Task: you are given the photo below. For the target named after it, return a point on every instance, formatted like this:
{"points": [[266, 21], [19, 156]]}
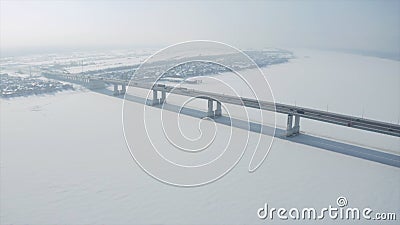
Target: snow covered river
{"points": [[64, 159]]}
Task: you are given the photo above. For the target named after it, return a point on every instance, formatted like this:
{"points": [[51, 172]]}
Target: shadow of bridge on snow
{"points": [[305, 139]]}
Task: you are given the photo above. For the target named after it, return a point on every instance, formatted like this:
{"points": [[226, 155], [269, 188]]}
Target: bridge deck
{"points": [[313, 114]]}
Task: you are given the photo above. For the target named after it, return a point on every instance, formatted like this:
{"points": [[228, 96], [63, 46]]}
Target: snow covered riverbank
{"points": [[64, 157]]}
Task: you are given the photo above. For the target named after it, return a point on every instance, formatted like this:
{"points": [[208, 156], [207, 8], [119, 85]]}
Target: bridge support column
{"points": [[163, 97], [116, 92], [210, 112], [218, 111], [296, 127], [123, 90], [155, 100], [290, 129]]}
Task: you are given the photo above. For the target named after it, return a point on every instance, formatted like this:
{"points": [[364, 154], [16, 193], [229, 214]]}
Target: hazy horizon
{"points": [[45, 26]]}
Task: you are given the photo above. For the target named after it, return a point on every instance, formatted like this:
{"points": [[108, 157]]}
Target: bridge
{"points": [[294, 113]]}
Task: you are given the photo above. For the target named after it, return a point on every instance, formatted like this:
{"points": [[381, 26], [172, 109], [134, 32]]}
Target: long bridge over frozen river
{"points": [[294, 112]]}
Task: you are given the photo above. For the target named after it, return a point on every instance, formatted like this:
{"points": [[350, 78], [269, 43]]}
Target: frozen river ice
{"points": [[64, 157]]}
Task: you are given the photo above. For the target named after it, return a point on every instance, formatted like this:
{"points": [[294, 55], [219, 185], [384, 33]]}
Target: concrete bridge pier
{"points": [[163, 97], [293, 130], [296, 127], [218, 111], [156, 100], [211, 112], [123, 90], [116, 92]]}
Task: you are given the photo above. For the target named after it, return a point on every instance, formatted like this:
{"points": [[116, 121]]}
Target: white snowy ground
{"points": [[64, 157]]}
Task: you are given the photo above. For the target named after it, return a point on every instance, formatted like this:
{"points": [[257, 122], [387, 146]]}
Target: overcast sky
{"points": [[359, 25]]}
